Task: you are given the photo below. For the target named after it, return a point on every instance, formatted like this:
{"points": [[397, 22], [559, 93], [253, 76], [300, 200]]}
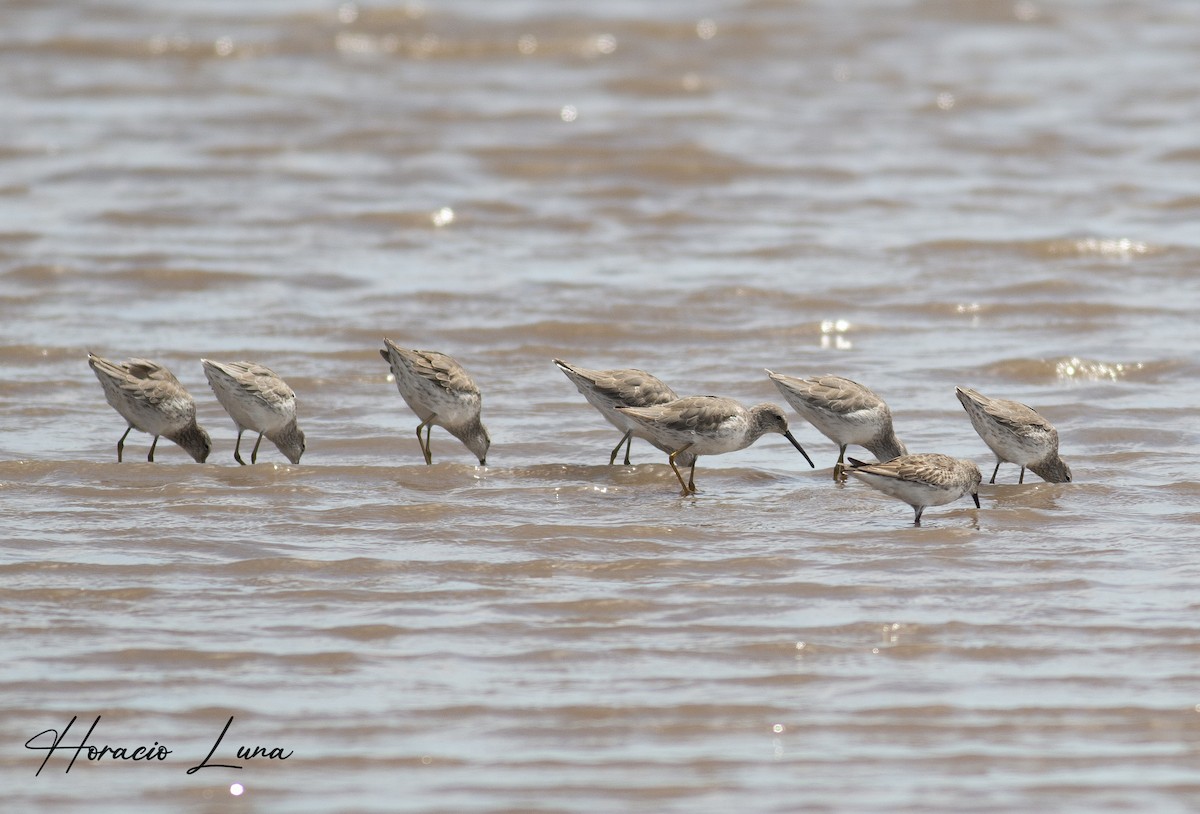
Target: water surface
{"points": [[916, 195]]}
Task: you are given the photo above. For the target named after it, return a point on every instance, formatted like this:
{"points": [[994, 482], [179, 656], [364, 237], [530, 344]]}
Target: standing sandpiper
{"points": [[1017, 434], [606, 390], [925, 479], [440, 392], [152, 400], [708, 425], [258, 400], [845, 412]]}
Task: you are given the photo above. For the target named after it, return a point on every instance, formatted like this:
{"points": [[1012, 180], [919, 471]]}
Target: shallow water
{"points": [[915, 195]]}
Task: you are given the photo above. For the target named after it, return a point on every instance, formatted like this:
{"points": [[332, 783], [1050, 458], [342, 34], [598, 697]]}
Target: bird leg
{"points": [[153, 444], [254, 452], [1022, 478], [237, 448], [628, 436], [671, 460], [428, 426], [121, 443], [994, 471], [839, 468]]}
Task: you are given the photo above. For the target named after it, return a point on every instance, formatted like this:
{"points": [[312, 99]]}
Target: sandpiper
{"points": [[152, 400], [440, 392], [845, 412], [1017, 434], [606, 390], [925, 479], [258, 400], [708, 425]]}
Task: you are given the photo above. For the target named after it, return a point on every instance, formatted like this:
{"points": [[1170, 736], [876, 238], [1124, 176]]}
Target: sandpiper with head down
{"points": [[925, 479], [257, 400], [151, 399], [845, 412], [440, 392], [1017, 434], [606, 390], [708, 425]]}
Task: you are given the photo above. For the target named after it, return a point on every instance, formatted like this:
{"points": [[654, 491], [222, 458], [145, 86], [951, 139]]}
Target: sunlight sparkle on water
{"points": [[833, 334], [605, 44], [973, 309], [1118, 247], [1121, 248], [236, 789], [1076, 368]]}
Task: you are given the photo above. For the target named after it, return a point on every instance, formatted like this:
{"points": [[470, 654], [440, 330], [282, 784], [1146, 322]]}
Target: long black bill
{"points": [[788, 435], [976, 496]]}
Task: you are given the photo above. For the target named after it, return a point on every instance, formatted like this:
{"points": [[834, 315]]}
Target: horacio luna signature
{"points": [[51, 740]]}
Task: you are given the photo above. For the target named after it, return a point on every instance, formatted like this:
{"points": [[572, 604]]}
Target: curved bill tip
{"points": [[796, 444]]}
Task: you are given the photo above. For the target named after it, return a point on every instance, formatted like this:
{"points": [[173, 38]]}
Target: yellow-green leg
{"points": [[627, 440], [689, 487], [427, 425], [839, 468]]}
